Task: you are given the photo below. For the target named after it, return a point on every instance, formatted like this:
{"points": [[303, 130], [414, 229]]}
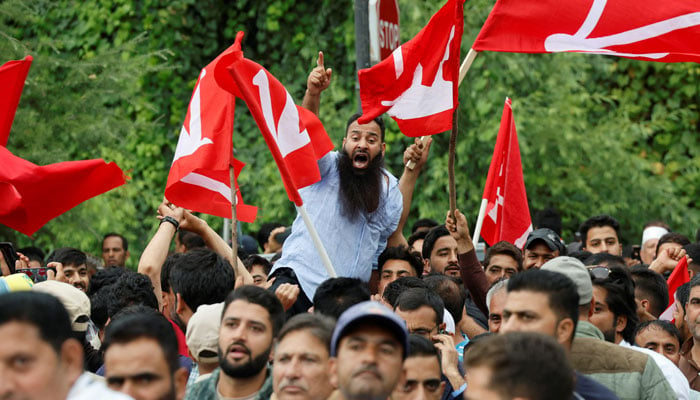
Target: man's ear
{"points": [[127, 255], [565, 330], [333, 371], [620, 323], [72, 359], [426, 266], [646, 305], [180, 382], [591, 308], [383, 148]]}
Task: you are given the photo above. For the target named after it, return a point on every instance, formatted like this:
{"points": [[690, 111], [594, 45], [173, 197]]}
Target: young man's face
{"points": [[369, 363], [259, 275], [422, 321], [362, 143], [538, 254], [30, 369], [393, 270], [443, 257], [139, 369], [245, 339], [500, 266], [529, 311], [422, 380], [113, 252], [77, 275], [301, 367], [603, 239], [603, 318]]}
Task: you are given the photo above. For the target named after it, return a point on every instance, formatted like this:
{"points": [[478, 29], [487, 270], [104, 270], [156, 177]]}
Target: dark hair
{"points": [[264, 232], [257, 260], [431, 237], [581, 255], [145, 323], [414, 298], [201, 277], [99, 305], [620, 298], [33, 253], [451, 293], [401, 253], [190, 240], [125, 243], [318, 325], [507, 249], [130, 289], [418, 346], [68, 256], [606, 259], [423, 223], [598, 221], [683, 293], [335, 295], [693, 251], [103, 278], [560, 290], [264, 298], [672, 237], [659, 324], [379, 121], [394, 289], [41, 310], [651, 286], [416, 236], [165, 271], [524, 364]]}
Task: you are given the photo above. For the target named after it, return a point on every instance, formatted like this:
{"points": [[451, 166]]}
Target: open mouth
{"points": [[360, 159]]}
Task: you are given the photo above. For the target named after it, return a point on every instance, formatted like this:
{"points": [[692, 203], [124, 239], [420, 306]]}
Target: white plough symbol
{"points": [[580, 41]]}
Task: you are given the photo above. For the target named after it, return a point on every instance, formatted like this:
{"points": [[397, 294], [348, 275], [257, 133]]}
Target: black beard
{"points": [[360, 189], [247, 370]]}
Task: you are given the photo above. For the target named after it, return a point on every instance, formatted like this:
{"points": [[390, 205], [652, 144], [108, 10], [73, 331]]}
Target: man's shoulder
{"points": [[204, 389], [592, 355]]}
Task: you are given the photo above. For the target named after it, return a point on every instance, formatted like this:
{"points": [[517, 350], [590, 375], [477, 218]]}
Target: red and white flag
{"points": [[199, 176], [667, 31], [678, 277], [32, 195], [12, 77], [294, 135], [417, 85], [507, 213]]}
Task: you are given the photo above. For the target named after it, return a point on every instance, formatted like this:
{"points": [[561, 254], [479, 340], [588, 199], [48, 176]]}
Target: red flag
{"points": [[294, 135], [199, 176], [33, 195], [667, 31], [678, 277], [12, 77], [417, 85], [507, 213]]}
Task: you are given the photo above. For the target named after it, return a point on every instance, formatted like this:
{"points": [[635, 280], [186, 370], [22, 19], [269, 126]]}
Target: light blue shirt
{"points": [[352, 245]]}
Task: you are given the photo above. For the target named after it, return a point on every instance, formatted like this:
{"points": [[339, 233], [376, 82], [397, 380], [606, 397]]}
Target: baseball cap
{"points": [[370, 311], [550, 238], [203, 332], [574, 269], [73, 299]]}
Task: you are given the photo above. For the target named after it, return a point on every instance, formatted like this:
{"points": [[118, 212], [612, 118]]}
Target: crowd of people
{"points": [[423, 317]]}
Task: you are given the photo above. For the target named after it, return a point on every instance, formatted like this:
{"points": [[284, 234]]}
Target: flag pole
{"points": [[317, 241], [234, 220], [463, 69], [451, 161], [479, 220]]}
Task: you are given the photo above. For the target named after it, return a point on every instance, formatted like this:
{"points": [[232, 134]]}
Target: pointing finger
{"points": [[319, 61]]}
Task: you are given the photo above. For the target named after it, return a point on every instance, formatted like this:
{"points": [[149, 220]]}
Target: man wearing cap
{"points": [[628, 373], [203, 338], [368, 347], [541, 246], [650, 237]]}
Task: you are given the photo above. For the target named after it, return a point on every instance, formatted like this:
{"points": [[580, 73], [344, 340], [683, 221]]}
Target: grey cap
{"points": [[574, 269]]}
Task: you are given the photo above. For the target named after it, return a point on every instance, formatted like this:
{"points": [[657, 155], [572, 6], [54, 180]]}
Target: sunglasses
{"points": [[599, 272]]}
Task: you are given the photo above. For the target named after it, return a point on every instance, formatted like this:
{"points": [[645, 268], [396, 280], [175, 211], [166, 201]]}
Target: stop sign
{"points": [[383, 28]]}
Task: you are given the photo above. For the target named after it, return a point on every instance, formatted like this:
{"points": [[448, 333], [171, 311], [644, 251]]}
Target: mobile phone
{"points": [[36, 274], [10, 255]]}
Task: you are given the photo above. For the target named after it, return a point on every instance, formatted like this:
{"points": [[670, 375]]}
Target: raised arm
{"points": [[418, 153], [155, 253], [318, 81]]}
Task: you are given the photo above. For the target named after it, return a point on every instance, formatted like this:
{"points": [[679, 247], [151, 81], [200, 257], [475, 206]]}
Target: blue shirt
{"points": [[352, 245]]}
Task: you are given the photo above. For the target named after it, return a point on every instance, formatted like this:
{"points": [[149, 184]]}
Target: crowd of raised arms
{"points": [[424, 317]]}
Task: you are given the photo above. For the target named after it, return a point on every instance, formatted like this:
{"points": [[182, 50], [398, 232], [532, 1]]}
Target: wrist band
{"points": [[171, 220], [459, 391]]}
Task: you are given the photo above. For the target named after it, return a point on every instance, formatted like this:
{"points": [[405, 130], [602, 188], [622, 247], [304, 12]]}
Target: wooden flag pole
{"points": [[234, 220], [451, 162], [463, 69]]}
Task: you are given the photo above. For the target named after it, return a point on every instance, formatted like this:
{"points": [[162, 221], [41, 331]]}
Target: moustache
{"points": [[293, 382], [242, 346], [371, 369]]}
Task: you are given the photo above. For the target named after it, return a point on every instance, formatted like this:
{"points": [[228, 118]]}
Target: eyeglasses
{"points": [[599, 272]]}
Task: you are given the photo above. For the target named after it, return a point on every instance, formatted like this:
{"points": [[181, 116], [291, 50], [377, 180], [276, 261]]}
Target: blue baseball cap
{"points": [[374, 312]]}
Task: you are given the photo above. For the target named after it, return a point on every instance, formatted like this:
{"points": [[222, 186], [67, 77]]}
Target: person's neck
{"points": [[240, 387]]}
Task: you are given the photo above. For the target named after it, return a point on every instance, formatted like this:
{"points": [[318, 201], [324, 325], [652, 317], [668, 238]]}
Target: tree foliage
{"points": [[112, 79]]}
